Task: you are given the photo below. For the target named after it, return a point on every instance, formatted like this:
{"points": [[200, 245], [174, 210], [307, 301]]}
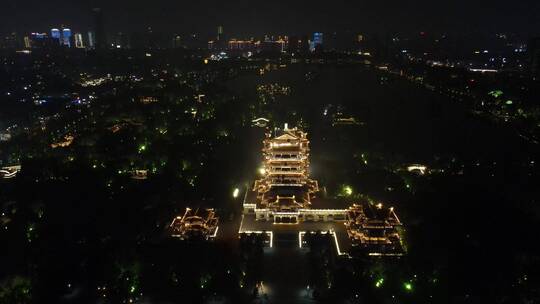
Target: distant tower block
{"points": [[56, 34], [219, 33], [79, 43], [99, 29], [66, 37]]}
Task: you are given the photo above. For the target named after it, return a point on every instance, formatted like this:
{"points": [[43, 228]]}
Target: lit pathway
{"points": [[285, 272]]}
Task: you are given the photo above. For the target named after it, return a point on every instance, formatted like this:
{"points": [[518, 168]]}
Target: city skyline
{"points": [[269, 152], [245, 19]]}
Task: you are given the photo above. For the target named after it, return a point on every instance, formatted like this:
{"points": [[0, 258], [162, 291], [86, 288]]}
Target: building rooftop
{"points": [[195, 224], [374, 230]]}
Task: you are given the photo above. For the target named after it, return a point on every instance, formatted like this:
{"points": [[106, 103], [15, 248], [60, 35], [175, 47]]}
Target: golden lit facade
{"points": [[195, 224], [285, 185], [374, 230], [285, 200], [241, 45], [284, 193]]}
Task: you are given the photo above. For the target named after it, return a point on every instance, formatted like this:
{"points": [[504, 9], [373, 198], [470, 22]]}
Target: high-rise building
{"points": [[360, 42], [27, 42], [339, 41], [91, 40], [177, 42], [298, 44], [533, 49], [99, 29], [317, 41], [304, 44], [39, 35], [219, 33], [294, 44], [220, 41], [79, 43], [56, 34], [11, 41], [43, 41], [66, 37], [120, 41]]}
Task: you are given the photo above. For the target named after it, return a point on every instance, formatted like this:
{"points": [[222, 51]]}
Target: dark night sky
{"points": [[242, 17]]}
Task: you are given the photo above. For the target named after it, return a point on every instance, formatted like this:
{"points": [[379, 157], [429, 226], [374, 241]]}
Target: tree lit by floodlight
{"points": [[347, 190]]}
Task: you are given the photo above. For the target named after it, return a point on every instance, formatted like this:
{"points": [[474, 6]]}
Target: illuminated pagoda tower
{"points": [[198, 224], [285, 201], [285, 187]]}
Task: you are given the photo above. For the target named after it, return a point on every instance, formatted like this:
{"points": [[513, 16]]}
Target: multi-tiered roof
{"points": [[374, 229], [195, 224], [285, 185]]}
